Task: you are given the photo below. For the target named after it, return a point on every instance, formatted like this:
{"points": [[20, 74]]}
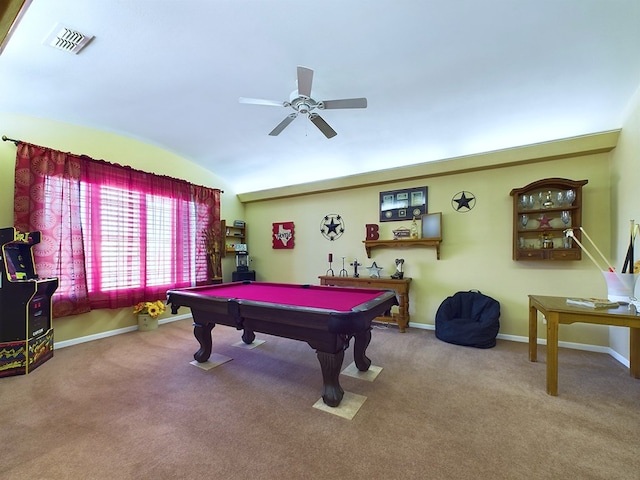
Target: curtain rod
{"points": [[16, 142], [7, 139]]}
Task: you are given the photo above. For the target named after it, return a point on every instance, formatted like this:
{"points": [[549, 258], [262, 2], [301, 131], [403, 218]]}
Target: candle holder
{"points": [[343, 272], [330, 271]]}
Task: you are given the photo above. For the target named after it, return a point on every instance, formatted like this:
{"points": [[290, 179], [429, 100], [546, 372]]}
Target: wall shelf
{"points": [[412, 242], [232, 236]]}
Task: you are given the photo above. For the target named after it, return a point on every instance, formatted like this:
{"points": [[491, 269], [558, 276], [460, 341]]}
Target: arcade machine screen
{"points": [[19, 262]]}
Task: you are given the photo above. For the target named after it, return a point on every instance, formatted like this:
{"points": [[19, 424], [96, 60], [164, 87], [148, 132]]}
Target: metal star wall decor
{"points": [[332, 226], [463, 201]]}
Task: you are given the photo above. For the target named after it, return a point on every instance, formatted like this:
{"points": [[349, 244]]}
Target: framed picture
{"points": [[283, 235], [403, 204], [432, 226]]}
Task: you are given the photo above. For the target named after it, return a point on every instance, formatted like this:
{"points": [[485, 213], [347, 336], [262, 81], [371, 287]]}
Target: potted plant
{"points": [[148, 313]]}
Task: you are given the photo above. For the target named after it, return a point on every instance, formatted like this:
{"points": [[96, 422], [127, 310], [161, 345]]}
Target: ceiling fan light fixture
{"points": [[301, 102], [67, 39]]}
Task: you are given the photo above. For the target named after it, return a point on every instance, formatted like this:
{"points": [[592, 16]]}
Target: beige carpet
{"points": [[133, 407]]}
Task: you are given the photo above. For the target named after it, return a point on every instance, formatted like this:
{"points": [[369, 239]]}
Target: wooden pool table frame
{"points": [[325, 330]]}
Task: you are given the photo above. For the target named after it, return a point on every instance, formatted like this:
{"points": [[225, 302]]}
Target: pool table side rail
{"points": [[356, 320], [195, 296]]}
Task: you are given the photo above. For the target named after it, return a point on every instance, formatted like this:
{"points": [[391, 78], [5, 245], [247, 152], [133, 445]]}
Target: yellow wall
{"points": [[476, 248], [112, 148], [625, 194]]}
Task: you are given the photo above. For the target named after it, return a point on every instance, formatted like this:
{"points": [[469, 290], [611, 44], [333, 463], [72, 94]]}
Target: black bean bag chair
{"points": [[470, 319]]}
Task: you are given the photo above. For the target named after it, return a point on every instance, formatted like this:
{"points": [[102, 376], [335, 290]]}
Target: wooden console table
{"points": [[556, 311], [401, 288]]}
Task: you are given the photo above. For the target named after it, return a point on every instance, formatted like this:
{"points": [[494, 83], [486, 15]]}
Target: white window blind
{"points": [[130, 238]]}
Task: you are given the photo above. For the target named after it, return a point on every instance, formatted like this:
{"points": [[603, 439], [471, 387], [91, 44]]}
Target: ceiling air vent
{"points": [[67, 39]]}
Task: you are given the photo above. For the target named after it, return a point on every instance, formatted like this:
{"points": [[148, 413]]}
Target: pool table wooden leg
{"points": [[331, 363], [248, 336], [360, 344], [203, 335]]}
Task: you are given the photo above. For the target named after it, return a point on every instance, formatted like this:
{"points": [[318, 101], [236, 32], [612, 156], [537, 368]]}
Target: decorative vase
{"points": [[146, 322]]}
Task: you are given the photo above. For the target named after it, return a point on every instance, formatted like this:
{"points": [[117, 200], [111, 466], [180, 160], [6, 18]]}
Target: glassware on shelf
{"points": [[524, 219], [524, 202], [527, 202], [570, 195], [565, 216], [560, 198]]}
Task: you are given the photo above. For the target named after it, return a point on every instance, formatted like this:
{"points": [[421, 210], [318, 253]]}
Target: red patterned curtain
{"points": [[114, 236], [47, 199]]}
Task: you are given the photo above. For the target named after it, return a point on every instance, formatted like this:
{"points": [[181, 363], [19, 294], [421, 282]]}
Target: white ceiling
{"points": [[443, 78]]}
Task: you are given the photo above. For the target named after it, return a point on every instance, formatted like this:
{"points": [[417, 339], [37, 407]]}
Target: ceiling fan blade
{"points": [[283, 124], [305, 79], [259, 101], [344, 103], [322, 125]]}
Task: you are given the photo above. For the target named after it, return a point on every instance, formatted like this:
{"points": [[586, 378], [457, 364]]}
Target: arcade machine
{"points": [[26, 333], [242, 265]]}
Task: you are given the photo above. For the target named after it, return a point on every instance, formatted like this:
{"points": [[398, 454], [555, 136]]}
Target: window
{"points": [[130, 239], [112, 235]]}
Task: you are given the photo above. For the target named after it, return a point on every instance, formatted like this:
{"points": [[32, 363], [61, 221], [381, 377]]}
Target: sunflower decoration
{"points": [[153, 309]]}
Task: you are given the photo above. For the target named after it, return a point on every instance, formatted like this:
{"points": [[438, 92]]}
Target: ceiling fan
{"points": [[301, 102]]}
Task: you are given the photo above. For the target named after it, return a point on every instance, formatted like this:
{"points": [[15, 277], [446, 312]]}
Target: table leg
{"points": [[331, 363], [248, 336], [634, 352], [403, 312], [360, 344], [203, 335], [552, 354], [533, 333]]}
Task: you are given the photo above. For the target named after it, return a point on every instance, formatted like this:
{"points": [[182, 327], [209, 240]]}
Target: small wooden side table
{"points": [[401, 288], [556, 311]]}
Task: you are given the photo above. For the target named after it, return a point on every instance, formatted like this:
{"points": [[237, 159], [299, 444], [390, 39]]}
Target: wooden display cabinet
{"points": [[542, 211]]}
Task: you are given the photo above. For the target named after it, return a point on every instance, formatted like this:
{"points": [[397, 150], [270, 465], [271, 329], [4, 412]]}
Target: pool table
{"points": [[324, 317]]}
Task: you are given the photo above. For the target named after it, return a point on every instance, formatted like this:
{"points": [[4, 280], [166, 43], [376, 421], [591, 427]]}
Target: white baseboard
{"points": [[111, 333], [542, 341], [423, 326]]}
